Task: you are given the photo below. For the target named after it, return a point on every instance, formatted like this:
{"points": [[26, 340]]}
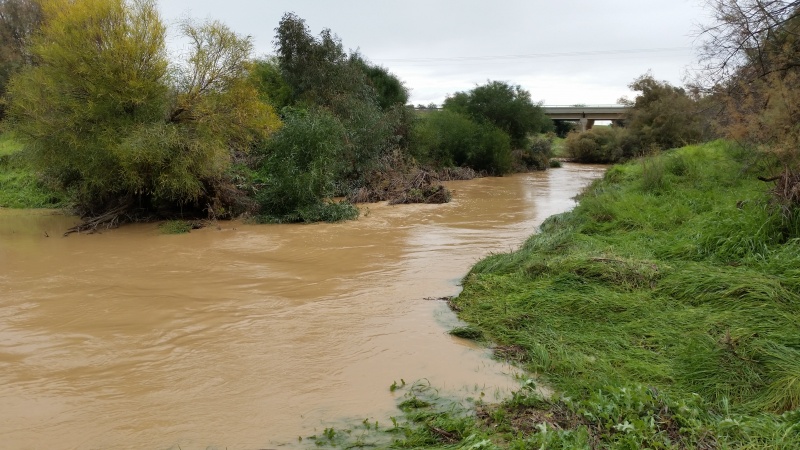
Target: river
{"points": [[247, 336]]}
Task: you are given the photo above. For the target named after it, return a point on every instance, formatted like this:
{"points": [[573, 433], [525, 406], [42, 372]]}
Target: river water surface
{"points": [[247, 336]]}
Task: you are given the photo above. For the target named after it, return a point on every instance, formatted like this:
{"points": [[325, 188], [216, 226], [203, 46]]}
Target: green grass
{"points": [[664, 311], [8, 145], [559, 151], [20, 187], [321, 211], [175, 227]]}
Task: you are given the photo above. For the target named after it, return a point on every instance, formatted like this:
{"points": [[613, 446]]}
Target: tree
{"points": [[750, 38], [101, 115], [321, 74], [446, 138], [318, 69], [390, 90], [752, 64], [272, 88], [508, 107], [661, 115], [19, 19]]}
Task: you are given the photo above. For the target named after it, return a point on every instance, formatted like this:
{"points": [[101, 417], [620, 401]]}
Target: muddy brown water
{"points": [[247, 336]]}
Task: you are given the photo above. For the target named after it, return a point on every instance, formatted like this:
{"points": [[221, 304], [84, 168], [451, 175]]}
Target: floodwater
{"points": [[247, 336]]}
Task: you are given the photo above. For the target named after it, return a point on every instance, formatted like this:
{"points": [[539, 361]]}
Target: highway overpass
{"points": [[585, 115]]}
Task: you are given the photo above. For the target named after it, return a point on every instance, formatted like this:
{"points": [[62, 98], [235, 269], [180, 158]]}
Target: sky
{"points": [[563, 52]]}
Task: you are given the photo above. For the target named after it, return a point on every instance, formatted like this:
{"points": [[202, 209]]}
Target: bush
{"points": [[663, 116], [104, 116], [446, 139], [324, 211], [535, 157], [602, 145], [175, 227], [299, 167], [367, 99]]}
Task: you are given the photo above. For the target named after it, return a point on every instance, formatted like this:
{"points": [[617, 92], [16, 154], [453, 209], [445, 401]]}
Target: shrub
{"points": [[445, 139], [175, 227], [299, 167], [535, 157], [368, 100], [662, 115], [323, 211], [601, 145]]}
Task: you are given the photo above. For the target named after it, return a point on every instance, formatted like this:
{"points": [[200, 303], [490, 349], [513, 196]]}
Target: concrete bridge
{"points": [[585, 115]]}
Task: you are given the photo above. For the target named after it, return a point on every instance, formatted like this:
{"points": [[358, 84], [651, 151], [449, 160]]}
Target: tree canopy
{"points": [[366, 99], [506, 106], [102, 116], [661, 115]]}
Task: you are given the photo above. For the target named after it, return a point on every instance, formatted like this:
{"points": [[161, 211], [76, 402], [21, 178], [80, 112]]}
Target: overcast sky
{"points": [[563, 52]]}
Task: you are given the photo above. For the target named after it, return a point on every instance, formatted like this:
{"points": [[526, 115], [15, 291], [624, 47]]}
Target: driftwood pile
{"points": [[399, 182]]}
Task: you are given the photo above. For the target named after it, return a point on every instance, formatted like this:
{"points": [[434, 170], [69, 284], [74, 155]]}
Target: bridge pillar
{"points": [[586, 124]]}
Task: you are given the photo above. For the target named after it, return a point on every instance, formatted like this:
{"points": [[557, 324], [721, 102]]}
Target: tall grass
{"points": [[20, 187], [674, 272], [663, 311]]}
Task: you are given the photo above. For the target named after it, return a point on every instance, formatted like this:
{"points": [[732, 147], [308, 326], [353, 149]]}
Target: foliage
{"points": [[320, 73], [389, 89], [749, 37], [316, 70], [563, 127], [665, 318], [681, 285], [300, 167], [445, 138], [19, 185], [175, 227], [598, 145], [268, 80], [101, 117], [19, 19], [324, 211], [508, 107], [661, 116], [751, 64], [70, 109], [536, 156]]}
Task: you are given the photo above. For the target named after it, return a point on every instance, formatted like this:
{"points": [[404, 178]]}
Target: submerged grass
{"points": [[175, 227], [664, 309]]}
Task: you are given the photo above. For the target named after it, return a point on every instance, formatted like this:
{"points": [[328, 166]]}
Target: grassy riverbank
{"points": [[670, 296], [19, 185], [663, 311]]}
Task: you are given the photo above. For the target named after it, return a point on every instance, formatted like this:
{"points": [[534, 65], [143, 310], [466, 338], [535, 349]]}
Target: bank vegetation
{"points": [[662, 311], [103, 119]]}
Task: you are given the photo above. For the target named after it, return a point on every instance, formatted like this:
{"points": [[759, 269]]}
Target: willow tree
{"points": [[19, 20], [103, 116]]}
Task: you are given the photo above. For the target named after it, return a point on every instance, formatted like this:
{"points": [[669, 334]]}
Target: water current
{"points": [[247, 336]]}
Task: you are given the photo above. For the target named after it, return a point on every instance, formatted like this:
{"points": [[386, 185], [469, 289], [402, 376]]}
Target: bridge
{"points": [[585, 115]]}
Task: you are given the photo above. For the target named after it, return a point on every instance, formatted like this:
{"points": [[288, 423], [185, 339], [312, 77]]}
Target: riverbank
{"points": [[662, 310]]}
